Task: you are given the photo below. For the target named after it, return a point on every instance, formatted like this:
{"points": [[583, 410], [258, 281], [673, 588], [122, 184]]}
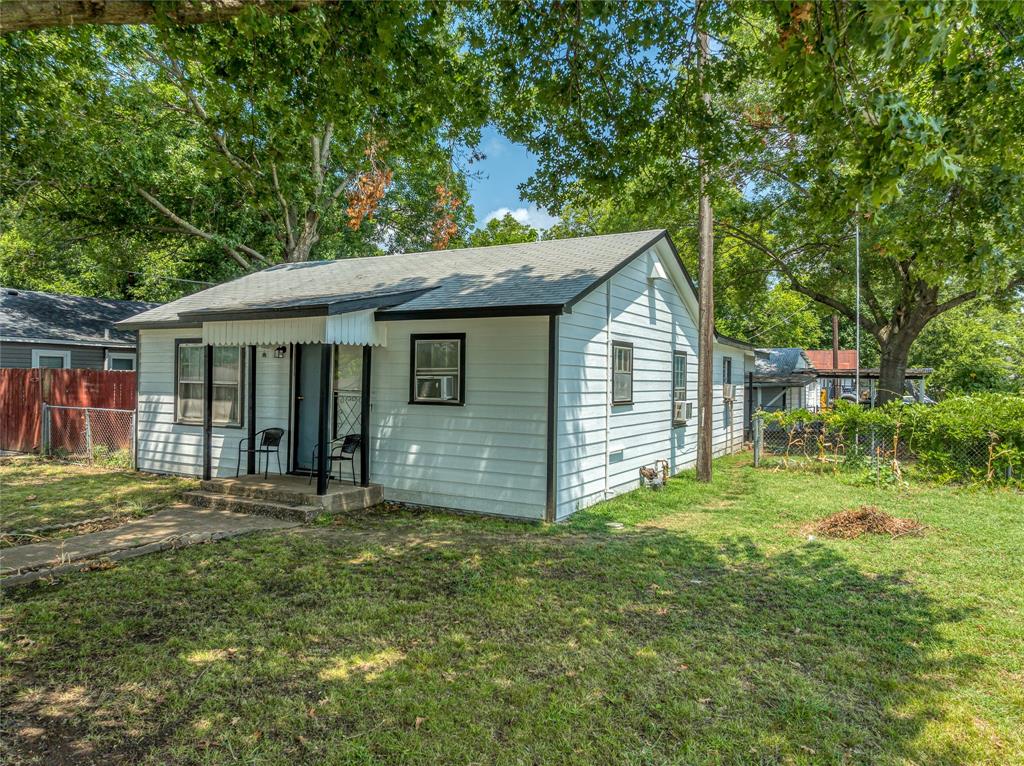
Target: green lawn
{"points": [[708, 630], [36, 493]]}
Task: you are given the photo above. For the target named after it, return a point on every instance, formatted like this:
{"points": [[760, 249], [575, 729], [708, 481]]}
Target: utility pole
{"points": [[706, 319], [857, 323]]}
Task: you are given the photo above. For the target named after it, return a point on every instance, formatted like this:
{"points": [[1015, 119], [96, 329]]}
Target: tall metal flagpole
{"points": [[857, 328]]}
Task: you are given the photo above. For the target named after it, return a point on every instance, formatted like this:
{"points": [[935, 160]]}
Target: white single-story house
{"points": [[528, 380]]}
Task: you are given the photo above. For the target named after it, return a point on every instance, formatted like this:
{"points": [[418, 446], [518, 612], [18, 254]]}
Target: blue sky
{"points": [[495, 192]]}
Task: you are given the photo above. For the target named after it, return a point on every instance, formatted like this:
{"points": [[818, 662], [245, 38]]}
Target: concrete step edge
{"points": [[256, 506]]}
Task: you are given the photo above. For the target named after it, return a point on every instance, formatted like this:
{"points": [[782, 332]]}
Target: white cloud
{"points": [[531, 216]]}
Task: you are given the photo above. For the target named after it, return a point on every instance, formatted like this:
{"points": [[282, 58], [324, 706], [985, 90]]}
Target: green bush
{"points": [[963, 438], [104, 456]]}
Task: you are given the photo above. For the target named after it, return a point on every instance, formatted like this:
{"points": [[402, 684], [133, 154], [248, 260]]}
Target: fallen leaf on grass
{"points": [[419, 721]]}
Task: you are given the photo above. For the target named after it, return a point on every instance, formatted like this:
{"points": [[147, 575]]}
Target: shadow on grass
{"points": [[447, 646]]}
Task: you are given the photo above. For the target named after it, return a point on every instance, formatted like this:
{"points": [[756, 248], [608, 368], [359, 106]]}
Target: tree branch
{"points": [[188, 228], [40, 14], [288, 227], [794, 282], [178, 76]]}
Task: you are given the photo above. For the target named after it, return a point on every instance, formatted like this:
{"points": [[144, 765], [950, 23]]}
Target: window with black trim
{"points": [[189, 377], [678, 387], [622, 372], [437, 369]]}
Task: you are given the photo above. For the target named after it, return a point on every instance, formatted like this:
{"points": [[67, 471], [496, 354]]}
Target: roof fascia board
{"points": [[385, 301], [167, 324], [567, 307], [103, 342], [474, 312], [285, 312], [695, 296], [725, 340]]}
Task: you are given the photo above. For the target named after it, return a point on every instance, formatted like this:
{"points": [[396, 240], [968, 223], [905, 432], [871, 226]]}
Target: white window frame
{"points": [[679, 392], [39, 352], [622, 364], [111, 355], [218, 422]]}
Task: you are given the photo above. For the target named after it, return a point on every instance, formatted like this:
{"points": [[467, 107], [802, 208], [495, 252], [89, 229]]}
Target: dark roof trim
{"points": [[385, 301], [801, 378], [283, 312], [306, 307], [129, 325], [112, 343], [472, 312], [726, 340], [567, 307]]}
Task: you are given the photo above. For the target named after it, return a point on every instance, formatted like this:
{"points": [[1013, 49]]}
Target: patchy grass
{"points": [[706, 630], [36, 492]]}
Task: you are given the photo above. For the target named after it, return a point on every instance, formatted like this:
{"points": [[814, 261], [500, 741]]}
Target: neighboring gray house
{"points": [[526, 380], [784, 379], [65, 331]]}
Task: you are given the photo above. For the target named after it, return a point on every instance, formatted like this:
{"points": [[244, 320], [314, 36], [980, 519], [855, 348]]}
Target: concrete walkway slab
{"points": [[179, 523]]}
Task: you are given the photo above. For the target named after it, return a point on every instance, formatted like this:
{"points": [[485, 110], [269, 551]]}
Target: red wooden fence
{"points": [[23, 393]]}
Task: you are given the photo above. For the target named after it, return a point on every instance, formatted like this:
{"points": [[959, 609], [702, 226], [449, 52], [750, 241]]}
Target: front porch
{"points": [[291, 498]]}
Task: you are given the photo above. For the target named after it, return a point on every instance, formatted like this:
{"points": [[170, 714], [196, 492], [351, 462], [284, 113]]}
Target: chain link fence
{"points": [[886, 450], [89, 435]]}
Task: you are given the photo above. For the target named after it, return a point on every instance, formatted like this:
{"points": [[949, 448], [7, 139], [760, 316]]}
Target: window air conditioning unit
{"points": [[447, 387], [682, 412], [729, 392]]}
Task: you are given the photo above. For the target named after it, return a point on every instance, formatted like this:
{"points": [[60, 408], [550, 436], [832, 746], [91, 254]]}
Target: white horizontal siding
{"points": [[595, 461], [487, 456], [600, 446], [164, 446]]}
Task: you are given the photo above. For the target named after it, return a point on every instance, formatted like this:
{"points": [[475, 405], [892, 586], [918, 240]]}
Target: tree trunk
{"points": [[706, 312], [40, 14], [894, 352], [302, 249]]}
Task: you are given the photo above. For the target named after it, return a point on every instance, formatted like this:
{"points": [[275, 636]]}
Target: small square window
{"points": [[437, 369], [120, 361], [622, 372], [49, 359]]}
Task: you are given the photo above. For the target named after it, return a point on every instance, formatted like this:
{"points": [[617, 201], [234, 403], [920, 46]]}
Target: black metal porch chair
{"points": [[342, 449], [266, 442]]}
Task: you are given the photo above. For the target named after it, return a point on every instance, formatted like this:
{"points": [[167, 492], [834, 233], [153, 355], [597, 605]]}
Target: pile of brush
{"points": [[867, 519]]}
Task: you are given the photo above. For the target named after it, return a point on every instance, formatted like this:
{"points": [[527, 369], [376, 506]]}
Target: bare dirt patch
{"points": [[865, 520]]}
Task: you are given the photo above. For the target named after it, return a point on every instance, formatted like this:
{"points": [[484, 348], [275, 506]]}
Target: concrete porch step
{"points": [[296, 490], [254, 506]]}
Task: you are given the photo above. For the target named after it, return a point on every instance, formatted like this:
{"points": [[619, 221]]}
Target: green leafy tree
{"points": [[974, 349], [263, 139], [503, 231], [909, 113]]}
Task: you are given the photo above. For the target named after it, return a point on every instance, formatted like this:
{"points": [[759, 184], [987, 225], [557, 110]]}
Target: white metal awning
{"points": [[357, 328]]}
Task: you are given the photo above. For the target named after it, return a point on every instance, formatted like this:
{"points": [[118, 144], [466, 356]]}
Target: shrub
{"points": [[964, 438]]}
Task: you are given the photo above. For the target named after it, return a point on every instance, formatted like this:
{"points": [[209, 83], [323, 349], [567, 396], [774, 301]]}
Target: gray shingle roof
{"points": [[778, 361], [533, 274], [26, 314]]}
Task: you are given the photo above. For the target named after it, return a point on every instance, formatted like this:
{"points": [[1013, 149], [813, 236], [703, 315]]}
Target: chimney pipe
{"points": [[835, 341]]}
